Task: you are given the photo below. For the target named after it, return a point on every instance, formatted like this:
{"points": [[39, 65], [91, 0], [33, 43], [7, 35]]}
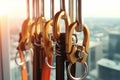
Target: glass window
{"points": [[103, 20]]}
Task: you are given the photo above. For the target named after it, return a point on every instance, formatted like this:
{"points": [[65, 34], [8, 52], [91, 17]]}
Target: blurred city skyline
{"points": [[104, 18], [90, 8], [101, 8]]}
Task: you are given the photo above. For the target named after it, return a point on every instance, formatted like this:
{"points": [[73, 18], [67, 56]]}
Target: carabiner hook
{"points": [[72, 50], [46, 61], [24, 36], [20, 63], [23, 41], [38, 29], [46, 40], [60, 15], [25, 30], [22, 52], [77, 53], [56, 27]]}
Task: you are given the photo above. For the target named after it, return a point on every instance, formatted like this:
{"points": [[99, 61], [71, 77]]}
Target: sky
{"points": [[90, 8], [97, 8], [101, 8]]}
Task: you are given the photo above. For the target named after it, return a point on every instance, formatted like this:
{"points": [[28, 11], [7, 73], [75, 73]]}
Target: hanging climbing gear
{"points": [[45, 39], [24, 36], [77, 52], [48, 48]]}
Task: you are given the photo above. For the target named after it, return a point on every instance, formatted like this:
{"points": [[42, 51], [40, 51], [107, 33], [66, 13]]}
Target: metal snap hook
{"points": [[21, 63], [46, 61], [18, 63], [54, 53], [82, 76], [46, 58]]}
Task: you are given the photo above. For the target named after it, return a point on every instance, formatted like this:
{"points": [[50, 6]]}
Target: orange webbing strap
{"points": [[24, 35], [48, 50], [47, 44], [46, 70], [23, 66]]}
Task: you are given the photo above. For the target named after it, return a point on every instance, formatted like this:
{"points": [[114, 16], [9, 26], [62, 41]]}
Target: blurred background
{"points": [[103, 20]]}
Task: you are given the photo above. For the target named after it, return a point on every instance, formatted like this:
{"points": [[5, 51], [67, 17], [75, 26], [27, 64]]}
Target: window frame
{"points": [[5, 49]]}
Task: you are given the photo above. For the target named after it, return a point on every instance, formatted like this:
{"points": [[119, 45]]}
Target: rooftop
{"points": [[109, 64], [93, 44], [114, 32]]}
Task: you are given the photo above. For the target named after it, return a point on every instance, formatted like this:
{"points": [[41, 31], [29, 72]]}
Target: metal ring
{"points": [[46, 61], [20, 63], [82, 76]]}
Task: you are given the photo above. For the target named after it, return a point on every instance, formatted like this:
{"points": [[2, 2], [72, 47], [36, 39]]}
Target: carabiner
{"points": [[20, 63], [60, 15], [22, 42], [72, 50], [24, 36], [25, 30], [38, 30], [46, 40], [46, 66], [77, 52], [57, 35], [56, 27]]}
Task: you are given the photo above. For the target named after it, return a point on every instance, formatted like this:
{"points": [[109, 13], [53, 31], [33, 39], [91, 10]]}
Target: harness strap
{"points": [[23, 66], [60, 69], [24, 35], [46, 70], [37, 63]]}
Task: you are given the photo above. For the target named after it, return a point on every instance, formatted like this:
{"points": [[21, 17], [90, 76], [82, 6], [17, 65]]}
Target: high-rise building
{"points": [[114, 44], [95, 54], [108, 69]]}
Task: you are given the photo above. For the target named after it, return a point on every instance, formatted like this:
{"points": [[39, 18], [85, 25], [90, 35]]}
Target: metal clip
{"points": [[48, 43], [71, 50], [60, 15], [75, 52]]}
